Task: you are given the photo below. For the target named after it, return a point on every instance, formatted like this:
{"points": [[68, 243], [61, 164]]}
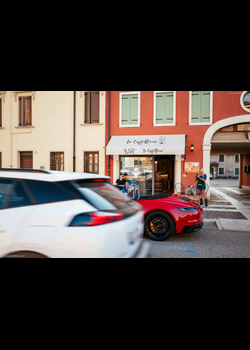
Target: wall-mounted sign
{"points": [[192, 167]]}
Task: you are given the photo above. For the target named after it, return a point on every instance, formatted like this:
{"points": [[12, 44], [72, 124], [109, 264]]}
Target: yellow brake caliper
{"points": [[152, 227]]}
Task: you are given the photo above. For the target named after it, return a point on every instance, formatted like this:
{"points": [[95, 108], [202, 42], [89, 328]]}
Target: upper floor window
{"points": [[130, 109], [91, 107], [25, 111], [164, 108], [221, 158], [200, 107], [245, 101]]}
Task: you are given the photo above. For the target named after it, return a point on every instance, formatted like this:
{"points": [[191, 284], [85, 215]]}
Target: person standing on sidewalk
{"points": [[201, 186]]}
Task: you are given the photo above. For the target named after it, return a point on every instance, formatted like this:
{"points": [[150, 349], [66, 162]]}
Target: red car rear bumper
{"points": [[189, 222], [185, 221]]}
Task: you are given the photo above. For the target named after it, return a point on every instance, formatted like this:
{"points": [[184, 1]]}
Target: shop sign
{"points": [[192, 167], [142, 145], [133, 151]]}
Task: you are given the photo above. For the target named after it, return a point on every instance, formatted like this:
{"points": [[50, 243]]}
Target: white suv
{"points": [[67, 215]]}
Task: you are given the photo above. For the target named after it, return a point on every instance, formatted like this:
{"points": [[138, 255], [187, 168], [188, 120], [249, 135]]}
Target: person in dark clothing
{"points": [[121, 183]]}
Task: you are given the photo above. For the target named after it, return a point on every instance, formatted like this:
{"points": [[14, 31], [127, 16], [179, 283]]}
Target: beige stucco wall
{"points": [[51, 131], [229, 164]]}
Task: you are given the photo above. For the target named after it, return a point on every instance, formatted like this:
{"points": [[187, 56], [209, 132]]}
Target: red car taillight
{"points": [[95, 219]]}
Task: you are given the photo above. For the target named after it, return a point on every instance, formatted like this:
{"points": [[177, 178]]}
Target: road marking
{"points": [[233, 190], [237, 204]]}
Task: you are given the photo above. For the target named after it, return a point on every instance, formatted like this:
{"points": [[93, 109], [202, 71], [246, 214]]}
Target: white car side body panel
{"points": [[44, 229]]}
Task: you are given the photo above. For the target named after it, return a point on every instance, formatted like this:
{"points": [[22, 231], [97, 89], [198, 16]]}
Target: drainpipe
{"points": [[241, 171], [74, 133]]}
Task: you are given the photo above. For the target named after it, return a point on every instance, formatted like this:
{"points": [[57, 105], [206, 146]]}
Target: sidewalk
{"points": [[229, 206]]}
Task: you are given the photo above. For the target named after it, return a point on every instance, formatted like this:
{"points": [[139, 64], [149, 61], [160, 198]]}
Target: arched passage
{"points": [[208, 138]]}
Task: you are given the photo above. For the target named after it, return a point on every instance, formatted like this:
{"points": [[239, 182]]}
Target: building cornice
{"points": [[15, 94]]}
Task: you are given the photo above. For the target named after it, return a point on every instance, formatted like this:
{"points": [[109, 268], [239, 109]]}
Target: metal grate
{"points": [[91, 162], [57, 161]]}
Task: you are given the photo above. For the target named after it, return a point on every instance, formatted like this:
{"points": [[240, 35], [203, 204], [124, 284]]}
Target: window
{"points": [[221, 158], [25, 111], [200, 107], [130, 109], [1, 113], [104, 196], [164, 108], [91, 107], [91, 162], [236, 171], [45, 192], [237, 158], [5, 188], [221, 171], [138, 169], [57, 161], [18, 198], [26, 160], [245, 101]]}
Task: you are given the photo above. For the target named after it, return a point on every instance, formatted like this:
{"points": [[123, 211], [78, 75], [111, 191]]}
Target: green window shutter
{"points": [[134, 109], [126, 110], [205, 106], [160, 109], [130, 110], [164, 108], [169, 105], [196, 107]]}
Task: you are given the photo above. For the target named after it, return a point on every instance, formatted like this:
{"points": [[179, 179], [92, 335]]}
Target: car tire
{"points": [[25, 255], [159, 226]]}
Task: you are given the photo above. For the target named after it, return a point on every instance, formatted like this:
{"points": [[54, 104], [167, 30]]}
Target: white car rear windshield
{"points": [[104, 196]]}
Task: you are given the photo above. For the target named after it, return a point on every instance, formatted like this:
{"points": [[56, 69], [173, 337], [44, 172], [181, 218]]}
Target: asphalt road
{"points": [[207, 243]]}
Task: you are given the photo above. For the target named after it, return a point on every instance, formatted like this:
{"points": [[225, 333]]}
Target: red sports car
{"points": [[166, 214]]}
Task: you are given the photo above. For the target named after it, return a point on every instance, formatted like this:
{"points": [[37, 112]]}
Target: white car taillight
{"points": [[96, 218]]}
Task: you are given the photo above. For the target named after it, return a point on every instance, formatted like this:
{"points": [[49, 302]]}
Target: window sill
{"points": [[91, 124], [129, 126], [164, 125], [24, 127], [195, 124]]}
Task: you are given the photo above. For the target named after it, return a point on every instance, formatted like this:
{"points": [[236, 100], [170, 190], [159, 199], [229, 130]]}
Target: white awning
{"points": [[147, 145]]}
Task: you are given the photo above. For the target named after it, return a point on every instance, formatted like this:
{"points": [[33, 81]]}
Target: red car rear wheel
{"points": [[159, 226]]}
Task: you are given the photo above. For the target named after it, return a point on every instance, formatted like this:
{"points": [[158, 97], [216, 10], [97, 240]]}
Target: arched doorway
{"points": [[241, 119]]}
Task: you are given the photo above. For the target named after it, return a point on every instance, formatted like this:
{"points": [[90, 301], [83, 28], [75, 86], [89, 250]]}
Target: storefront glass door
{"points": [[139, 169]]}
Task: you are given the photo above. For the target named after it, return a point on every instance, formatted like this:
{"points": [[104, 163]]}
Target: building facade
{"points": [[161, 138], [53, 130], [225, 165]]}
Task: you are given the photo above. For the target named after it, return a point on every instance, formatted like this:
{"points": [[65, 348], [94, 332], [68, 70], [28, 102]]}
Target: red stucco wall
{"points": [[226, 104]]}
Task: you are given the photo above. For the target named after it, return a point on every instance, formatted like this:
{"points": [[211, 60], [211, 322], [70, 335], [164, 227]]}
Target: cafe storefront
{"points": [[152, 161]]}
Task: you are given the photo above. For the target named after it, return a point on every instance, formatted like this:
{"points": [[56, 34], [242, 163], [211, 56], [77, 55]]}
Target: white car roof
{"points": [[49, 176]]}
